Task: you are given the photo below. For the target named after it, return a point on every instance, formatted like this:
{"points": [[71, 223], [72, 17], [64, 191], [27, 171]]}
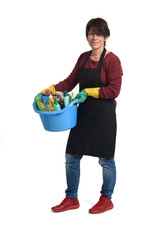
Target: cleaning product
{"points": [[66, 98], [51, 101], [56, 105], [62, 102], [71, 96], [38, 100], [58, 98], [47, 103], [48, 92], [59, 92]]}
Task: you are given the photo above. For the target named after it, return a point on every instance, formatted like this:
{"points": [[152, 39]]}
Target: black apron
{"points": [[95, 132]]}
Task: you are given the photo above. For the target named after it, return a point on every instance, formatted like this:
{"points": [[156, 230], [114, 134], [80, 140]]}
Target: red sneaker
{"points": [[104, 204], [66, 204]]}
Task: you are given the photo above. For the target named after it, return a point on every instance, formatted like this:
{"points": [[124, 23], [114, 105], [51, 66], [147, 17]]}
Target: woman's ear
{"points": [[105, 39]]}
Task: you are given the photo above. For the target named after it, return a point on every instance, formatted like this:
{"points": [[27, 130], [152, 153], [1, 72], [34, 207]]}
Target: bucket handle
{"points": [[71, 103]]}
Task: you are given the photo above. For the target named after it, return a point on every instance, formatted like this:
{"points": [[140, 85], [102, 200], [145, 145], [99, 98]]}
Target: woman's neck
{"points": [[96, 53]]}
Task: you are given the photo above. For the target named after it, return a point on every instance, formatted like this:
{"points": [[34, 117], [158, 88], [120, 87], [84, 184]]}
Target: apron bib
{"points": [[95, 132]]}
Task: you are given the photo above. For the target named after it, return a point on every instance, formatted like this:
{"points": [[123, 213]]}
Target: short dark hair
{"points": [[99, 26]]}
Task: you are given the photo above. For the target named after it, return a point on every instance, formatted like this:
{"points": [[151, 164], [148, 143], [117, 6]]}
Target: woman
{"points": [[99, 74]]}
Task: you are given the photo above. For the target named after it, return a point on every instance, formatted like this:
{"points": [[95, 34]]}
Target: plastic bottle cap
{"points": [[65, 93]]}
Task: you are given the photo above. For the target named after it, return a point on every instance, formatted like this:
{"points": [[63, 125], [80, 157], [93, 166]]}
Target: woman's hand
{"points": [[93, 92], [82, 96], [51, 89]]}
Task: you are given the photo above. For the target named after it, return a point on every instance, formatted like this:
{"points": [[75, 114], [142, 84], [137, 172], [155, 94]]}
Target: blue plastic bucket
{"points": [[57, 121]]}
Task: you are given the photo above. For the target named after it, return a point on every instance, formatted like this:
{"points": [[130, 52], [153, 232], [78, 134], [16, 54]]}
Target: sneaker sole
{"points": [[102, 211], [69, 208]]}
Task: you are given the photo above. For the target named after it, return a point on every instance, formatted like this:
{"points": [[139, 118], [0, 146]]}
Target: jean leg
{"points": [[109, 176], [72, 174]]}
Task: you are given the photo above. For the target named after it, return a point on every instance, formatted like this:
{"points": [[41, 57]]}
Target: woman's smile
{"points": [[95, 41]]}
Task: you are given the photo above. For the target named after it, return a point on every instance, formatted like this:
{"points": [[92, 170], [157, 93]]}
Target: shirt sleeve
{"points": [[71, 81], [114, 80]]}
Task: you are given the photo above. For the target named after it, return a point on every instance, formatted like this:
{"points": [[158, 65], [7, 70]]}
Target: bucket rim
{"points": [[54, 112]]}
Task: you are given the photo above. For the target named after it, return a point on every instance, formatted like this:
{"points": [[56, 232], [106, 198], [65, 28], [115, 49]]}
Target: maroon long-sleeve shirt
{"points": [[111, 75]]}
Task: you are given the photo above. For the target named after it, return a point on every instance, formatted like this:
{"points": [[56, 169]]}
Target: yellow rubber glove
{"points": [[93, 92], [51, 89]]}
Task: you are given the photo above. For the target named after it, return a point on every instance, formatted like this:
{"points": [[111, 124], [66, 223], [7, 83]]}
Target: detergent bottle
{"points": [[56, 105], [47, 103], [38, 100], [66, 98], [58, 98], [51, 101], [62, 102]]}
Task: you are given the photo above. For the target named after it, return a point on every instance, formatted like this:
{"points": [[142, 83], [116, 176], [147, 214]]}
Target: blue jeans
{"points": [[73, 175]]}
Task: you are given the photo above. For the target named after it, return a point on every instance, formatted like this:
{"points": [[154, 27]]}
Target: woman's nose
{"points": [[94, 36]]}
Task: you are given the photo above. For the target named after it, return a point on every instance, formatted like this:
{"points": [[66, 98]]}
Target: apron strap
{"points": [[101, 60], [86, 59]]}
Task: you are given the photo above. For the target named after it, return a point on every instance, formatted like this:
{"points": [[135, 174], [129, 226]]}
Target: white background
{"points": [[40, 43]]}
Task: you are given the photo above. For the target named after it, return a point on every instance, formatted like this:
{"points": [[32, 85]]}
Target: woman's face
{"points": [[95, 41]]}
